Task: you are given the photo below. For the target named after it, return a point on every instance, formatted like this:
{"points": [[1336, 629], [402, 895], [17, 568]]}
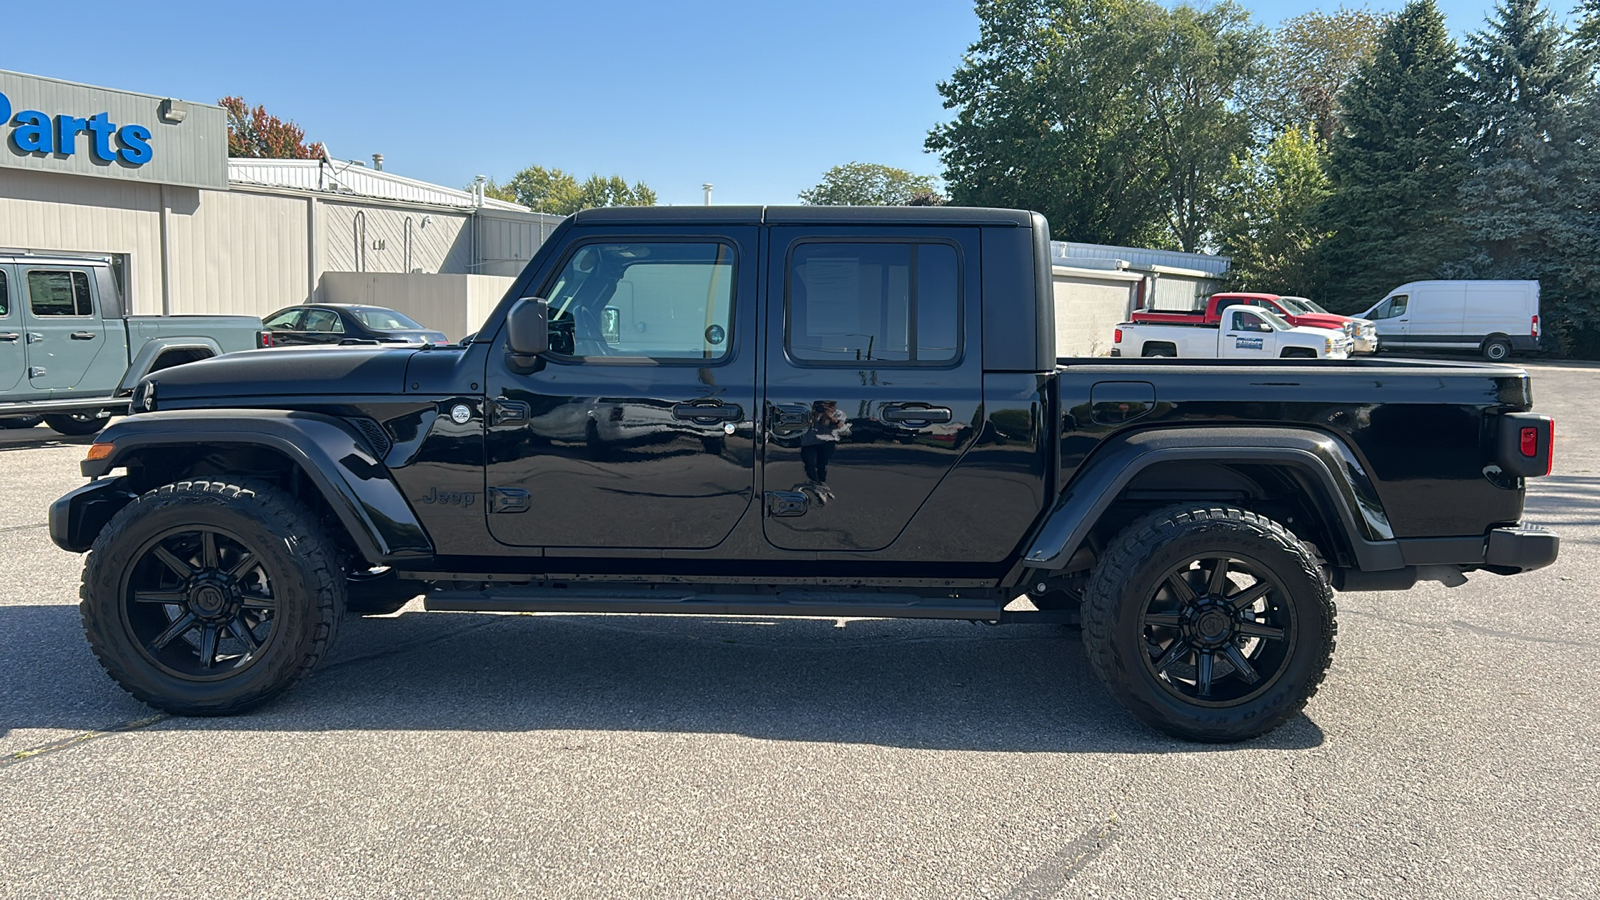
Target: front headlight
{"points": [[1328, 345]]}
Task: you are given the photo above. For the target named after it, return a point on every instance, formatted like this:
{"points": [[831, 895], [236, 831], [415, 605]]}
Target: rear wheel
{"points": [[195, 603], [1496, 349], [1208, 623], [1156, 348], [77, 423]]}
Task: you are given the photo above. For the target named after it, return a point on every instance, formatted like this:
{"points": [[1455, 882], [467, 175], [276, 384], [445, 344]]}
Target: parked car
{"points": [[1239, 332], [340, 323], [69, 351], [1195, 518], [1495, 318], [1297, 311]]}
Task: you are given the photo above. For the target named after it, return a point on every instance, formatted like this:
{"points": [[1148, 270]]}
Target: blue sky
{"points": [[759, 98]]}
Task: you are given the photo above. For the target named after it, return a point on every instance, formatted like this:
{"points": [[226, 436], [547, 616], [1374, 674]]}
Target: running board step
{"points": [[841, 604]]}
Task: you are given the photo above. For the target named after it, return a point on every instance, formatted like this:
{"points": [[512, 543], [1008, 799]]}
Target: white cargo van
{"points": [[1495, 318]]}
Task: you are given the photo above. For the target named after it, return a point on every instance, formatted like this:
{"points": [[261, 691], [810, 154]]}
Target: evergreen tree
{"points": [[1398, 165], [1526, 205]]}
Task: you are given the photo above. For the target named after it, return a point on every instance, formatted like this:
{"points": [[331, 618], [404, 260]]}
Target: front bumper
{"points": [[79, 517]]}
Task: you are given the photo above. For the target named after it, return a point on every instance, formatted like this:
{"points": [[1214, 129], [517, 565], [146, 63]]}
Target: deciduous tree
{"points": [[870, 184], [255, 133], [1311, 58], [555, 191], [1269, 225]]}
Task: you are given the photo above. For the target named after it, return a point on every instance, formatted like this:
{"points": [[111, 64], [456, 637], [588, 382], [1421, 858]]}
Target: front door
{"points": [[635, 430], [874, 379], [12, 353], [1248, 336], [62, 326]]}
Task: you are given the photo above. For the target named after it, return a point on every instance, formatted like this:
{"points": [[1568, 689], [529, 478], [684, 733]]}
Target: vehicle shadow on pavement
{"points": [[33, 438], [912, 684]]}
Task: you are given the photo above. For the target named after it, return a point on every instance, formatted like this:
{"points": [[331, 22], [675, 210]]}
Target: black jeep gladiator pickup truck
{"points": [[804, 412]]}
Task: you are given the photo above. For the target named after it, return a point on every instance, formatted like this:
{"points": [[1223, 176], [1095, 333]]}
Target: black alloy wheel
{"points": [[198, 603], [1217, 630], [1209, 623], [205, 598]]}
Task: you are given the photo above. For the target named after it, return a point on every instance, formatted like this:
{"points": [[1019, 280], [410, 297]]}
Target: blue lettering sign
{"points": [[35, 132], [1245, 343]]}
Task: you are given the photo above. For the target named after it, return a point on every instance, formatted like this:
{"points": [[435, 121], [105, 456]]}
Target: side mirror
{"points": [[528, 327]]}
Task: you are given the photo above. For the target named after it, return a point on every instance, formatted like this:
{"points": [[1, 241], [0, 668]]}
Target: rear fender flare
{"points": [[1318, 457], [152, 350], [331, 454]]}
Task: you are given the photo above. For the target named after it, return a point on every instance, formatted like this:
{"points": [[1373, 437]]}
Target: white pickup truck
{"points": [[1245, 332]]}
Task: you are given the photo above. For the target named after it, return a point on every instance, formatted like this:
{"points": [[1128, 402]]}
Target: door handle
{"points": [[83, 335], [907, 414], [9, 336], [708, 413]]}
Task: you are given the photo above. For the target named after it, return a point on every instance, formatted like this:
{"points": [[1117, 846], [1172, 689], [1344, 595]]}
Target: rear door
{"points": [[873, 378], [1246, 335], [62, 324], [12, 349]]}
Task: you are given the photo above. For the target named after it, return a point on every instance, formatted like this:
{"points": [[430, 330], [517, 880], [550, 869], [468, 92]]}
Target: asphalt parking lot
{"points": [[1451, 751]]}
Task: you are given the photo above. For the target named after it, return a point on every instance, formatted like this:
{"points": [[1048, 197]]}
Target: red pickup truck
{"points": [[1297, 311]]}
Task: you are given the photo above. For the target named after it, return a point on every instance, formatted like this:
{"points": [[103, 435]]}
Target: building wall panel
{"points": [[443, 244], [238, 253], [47, 212]]}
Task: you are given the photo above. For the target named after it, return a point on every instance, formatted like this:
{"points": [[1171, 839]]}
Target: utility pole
{"points": [[707, 188]]}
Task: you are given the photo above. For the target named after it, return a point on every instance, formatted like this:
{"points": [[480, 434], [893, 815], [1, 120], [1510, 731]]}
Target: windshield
{"points": [[1310, 305], [1272, 318], [383, 319]]}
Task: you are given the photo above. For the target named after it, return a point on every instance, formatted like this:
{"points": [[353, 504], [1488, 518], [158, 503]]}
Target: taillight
{"points": [[1117, 337], [1550, 450], [1534, 328], [263, 339], [1530, 442]]}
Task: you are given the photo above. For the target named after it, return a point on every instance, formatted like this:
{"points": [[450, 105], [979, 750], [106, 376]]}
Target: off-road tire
{"points": [[292, 549], [76, 424], [1134, 567]]}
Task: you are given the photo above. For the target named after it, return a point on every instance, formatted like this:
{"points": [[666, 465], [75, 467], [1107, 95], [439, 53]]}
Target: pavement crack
{"points": [[10, 528], [1050, 877], [79, 740]]}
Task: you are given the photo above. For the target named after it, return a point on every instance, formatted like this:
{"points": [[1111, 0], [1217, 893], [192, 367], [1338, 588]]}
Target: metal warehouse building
{"points": [[146, 181]]}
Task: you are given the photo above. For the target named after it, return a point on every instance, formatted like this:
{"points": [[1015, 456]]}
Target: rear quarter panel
{"points": [[231, 333], [1423, 432]]}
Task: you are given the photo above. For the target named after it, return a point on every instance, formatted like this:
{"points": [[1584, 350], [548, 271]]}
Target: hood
{"points": [[1320, 320], [1320, 333], [359, 369]]}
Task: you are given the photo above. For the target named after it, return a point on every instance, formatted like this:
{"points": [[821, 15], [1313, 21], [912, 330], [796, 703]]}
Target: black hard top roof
{"points": [[796, 215]]}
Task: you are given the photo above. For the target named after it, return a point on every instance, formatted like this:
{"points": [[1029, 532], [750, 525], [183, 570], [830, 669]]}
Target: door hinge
{"points": [[508, 500]]}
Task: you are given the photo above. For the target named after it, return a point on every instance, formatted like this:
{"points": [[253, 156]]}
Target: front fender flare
{"points": [[354, 483], [1318, 456]]}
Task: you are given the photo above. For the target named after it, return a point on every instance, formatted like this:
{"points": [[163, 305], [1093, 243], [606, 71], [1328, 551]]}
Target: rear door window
{"points": [[887, 303], [323, 320], [5, 295], [59, 293]]}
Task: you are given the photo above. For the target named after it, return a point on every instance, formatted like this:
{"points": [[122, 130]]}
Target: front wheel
{"points": [[1209, 623], [77, 424], [203, 598]]}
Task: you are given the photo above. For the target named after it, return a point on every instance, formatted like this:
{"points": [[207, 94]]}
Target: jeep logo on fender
{"points": [[450, 498], [35, 132]]}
